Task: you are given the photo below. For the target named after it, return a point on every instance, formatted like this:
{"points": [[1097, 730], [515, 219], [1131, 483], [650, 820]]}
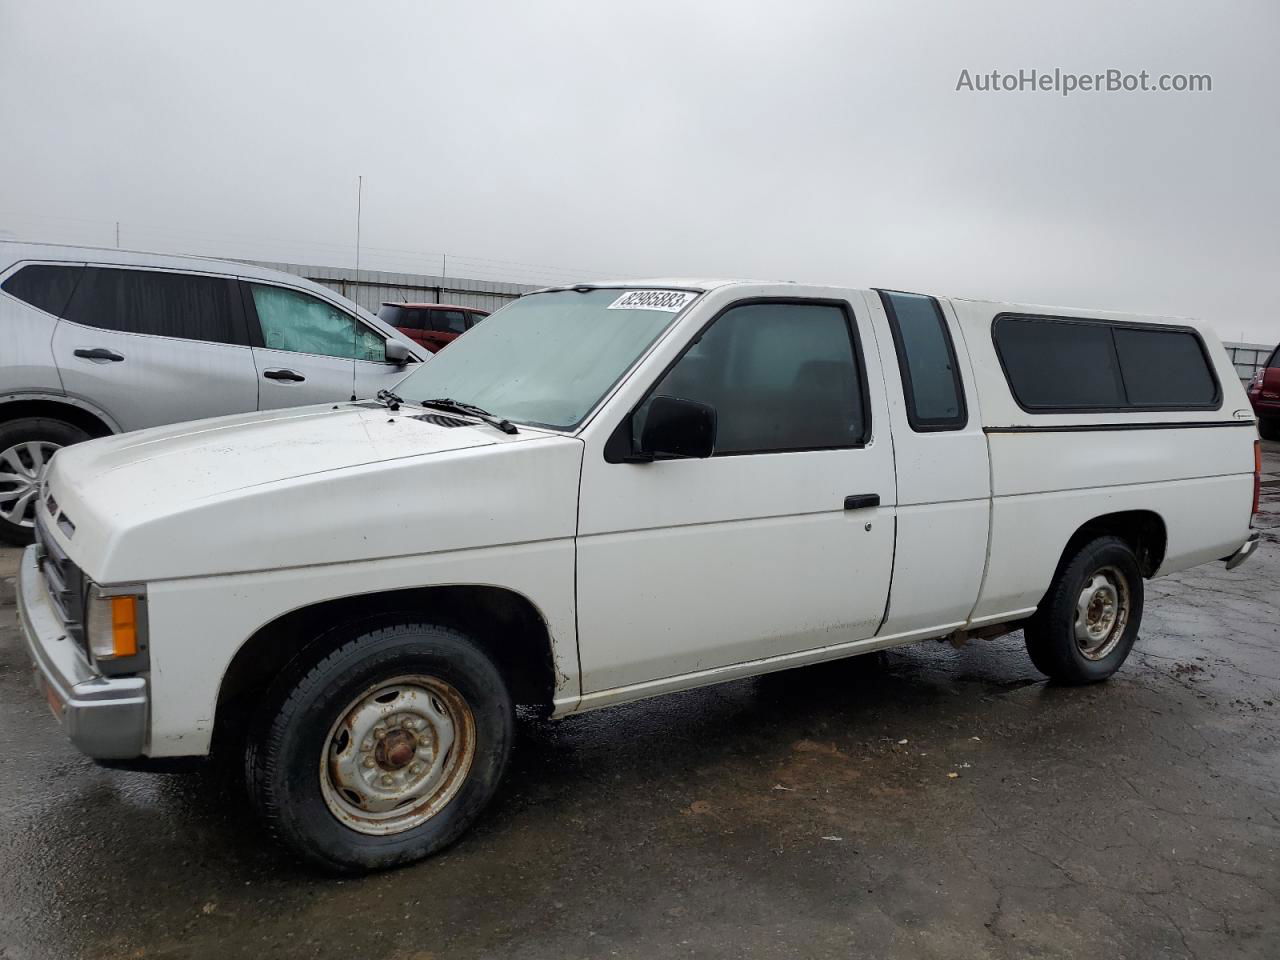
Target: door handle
{"points": [[861, 501], [292, 376], [99, 353]]}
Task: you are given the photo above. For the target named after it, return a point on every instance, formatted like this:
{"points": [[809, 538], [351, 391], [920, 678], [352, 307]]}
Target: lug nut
{"points": [[369, 762], [415, 768], [410, 723], [386, 780], [379, 731]]}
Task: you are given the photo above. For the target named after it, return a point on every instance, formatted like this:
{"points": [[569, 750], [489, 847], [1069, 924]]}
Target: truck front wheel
{"points": [[383, 751], [1087, 623]]}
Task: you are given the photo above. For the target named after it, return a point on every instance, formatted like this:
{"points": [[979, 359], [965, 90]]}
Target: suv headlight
{"points": [[116, 622]]}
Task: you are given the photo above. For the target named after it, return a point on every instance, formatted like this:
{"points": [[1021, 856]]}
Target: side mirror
{"points": [[397, 353], [678, 428]]}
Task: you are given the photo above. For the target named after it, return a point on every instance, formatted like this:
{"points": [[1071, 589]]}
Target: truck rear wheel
{"points": [[1087, 623], [382, 752]]}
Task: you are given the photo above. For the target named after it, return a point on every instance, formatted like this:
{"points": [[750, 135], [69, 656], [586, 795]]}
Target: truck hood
{"points": [[282, 488]]}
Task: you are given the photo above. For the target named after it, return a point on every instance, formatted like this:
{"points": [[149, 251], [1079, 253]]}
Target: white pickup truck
{"points": [[611, 491]]}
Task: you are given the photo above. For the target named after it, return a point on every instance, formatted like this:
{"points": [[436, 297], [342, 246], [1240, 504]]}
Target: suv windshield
{"points": [[547, 358]]}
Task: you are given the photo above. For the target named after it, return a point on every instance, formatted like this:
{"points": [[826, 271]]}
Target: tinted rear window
{"points": [[46, 286], [451, 321], [1164, 368], [398, 316], [1056, 365], [162, 304], [1053, 364]]}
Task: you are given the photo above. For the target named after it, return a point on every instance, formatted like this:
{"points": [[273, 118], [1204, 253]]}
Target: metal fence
{"points": [[1249, 357], [371, 288]]}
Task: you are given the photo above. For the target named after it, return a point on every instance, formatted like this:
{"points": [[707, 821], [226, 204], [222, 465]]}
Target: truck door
{"points": [[780, 542], [944, 481]]}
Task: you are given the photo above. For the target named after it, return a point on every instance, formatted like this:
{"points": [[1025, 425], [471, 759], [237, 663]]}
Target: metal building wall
{"points": [[370, 288], [1248, 357]]}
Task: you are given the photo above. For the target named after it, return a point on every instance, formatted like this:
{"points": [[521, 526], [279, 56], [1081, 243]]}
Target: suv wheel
{"points": [[1269, 428], [25, 448], [383, 751], [1087, 623]]}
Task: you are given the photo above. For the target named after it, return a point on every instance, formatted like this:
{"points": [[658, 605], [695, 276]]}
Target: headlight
{"points": [[115, 622]]}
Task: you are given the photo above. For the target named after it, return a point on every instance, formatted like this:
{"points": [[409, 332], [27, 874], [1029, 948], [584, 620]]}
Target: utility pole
{"points": [[444, 265], [117, 234]]}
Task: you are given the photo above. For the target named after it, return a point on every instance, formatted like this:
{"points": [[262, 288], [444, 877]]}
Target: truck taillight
{"points": [[1257, 477]]}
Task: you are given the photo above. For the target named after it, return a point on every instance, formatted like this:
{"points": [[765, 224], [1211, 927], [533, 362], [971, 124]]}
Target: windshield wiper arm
{"points": [[388, 399], [457, 406]]}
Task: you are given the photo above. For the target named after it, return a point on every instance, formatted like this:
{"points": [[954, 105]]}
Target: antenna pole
{"points": [[355, 293], [359, 211]]}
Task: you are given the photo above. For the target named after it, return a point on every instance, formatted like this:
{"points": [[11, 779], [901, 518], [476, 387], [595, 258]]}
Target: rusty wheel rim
{"points": [[397, 754], [1102, 613]]}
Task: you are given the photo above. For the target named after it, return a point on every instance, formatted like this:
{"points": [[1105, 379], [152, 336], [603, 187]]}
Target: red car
{"points": [[434, 325], [1264, 394]]}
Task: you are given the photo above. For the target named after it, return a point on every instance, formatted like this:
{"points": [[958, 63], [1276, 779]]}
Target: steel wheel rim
{"points": [[22, 469], [1102, 613], [397, 754]]}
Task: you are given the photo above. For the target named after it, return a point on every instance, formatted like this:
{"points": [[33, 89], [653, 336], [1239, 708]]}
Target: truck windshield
{"points": [[547, 358]]}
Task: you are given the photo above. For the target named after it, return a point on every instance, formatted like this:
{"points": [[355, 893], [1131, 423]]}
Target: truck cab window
{"points": [[927, 359], [781, 376]]}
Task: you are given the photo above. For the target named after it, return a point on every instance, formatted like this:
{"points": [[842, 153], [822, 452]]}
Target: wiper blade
{"points": [[388, 399], [457, 406]]}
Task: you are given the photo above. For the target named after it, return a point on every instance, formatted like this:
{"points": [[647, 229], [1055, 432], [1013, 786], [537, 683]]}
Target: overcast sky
{"points": [[541, 141]]}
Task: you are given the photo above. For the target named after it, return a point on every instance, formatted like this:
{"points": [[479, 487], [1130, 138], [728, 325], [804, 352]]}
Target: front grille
{"points": [[65, 581]]}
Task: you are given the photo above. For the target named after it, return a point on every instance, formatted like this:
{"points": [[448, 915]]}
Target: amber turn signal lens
{"points": [[124, 626]]}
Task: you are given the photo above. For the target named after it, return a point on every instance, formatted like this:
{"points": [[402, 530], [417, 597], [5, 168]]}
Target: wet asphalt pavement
{"points": [[930, 802]]}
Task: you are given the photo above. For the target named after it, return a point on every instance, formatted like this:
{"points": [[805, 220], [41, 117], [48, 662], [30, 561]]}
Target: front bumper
{"points": [[1245, 552], [105, 717]]}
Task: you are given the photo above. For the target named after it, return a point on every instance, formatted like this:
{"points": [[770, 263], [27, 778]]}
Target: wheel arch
{"points": [[507, 625], [1145, 532], [88, 418]]}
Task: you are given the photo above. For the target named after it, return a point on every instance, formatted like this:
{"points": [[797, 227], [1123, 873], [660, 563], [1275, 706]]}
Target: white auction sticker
{"points": [[672, 301]]}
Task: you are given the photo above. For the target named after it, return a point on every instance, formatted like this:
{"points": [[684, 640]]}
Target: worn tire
{"points": [[1051, 632], [25, 430], [285, 748], [1269, 428]]}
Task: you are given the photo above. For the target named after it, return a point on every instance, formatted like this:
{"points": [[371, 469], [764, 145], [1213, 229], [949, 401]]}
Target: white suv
{"points": [[103, 341]]}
